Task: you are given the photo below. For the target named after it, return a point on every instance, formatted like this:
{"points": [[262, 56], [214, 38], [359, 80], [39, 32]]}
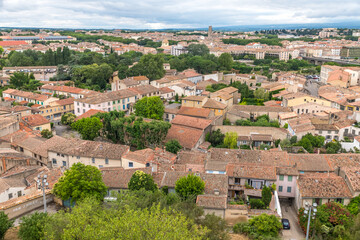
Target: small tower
{"points": [[210, 31]]}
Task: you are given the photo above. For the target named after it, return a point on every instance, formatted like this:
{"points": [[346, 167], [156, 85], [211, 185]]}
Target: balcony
{"points": [[236, 187]]}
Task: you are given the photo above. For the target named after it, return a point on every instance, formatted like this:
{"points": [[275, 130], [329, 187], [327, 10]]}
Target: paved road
{"points": [[295, 232]]}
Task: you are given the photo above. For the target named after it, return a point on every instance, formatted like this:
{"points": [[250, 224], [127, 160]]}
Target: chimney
{"points": [[216, 192]]}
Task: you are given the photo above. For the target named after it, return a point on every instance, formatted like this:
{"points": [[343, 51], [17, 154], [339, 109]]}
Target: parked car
{"points": [[286, 224]]}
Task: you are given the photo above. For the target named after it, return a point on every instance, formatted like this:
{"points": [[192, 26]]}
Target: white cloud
{"points": [[155, 14]]}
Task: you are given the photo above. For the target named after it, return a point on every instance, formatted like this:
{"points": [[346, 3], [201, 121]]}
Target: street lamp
{"points": [[43, 184], [307, 211]]}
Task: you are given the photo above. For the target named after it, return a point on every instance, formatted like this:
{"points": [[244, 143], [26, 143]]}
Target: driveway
{"points": [[295, 232]]}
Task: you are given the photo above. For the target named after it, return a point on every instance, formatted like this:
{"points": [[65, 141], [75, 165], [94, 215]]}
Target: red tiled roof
{"points": [[35, 120], [89, 113], [192, 122], [12, 43], [187, 137], [194, 112]]}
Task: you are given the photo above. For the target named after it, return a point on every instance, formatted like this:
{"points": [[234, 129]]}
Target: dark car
{"points": [[285, 222]]}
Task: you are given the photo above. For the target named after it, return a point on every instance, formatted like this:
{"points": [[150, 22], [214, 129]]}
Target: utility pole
{"points": [[307, 211], [43, 184]]}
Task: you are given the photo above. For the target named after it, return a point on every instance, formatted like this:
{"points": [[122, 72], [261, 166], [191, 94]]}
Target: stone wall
{"points": [[22, 205]]}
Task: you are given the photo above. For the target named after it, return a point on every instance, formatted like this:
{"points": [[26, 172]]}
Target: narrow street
{"points": [[295, 232]]}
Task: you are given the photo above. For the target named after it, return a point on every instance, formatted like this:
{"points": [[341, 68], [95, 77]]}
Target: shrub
{"points": [[260, 227], [226, 122], [173, 146], [189, 186], [257, 204], [5, 224], [243, 228], [354, 205], [217, 227], [46, 134], [266, 196], [32, 227], [142, 180]]}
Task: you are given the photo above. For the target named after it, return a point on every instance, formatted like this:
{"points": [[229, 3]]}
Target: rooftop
{"points": [[323, 185]]}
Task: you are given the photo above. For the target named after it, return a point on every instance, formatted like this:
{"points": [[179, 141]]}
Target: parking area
{"points": [[295, 232]]}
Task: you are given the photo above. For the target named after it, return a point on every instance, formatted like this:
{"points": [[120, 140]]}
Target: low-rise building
{"points": [[29, 97], [67, 91], [36, 122], [321, 188], [98, 154], [56, 109]]}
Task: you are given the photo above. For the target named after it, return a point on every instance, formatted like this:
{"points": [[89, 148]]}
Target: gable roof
{"points": [[84, 148], [35, 120], [187, 137], [89, 113], [194, 112], [198, 123], [323, 185]]}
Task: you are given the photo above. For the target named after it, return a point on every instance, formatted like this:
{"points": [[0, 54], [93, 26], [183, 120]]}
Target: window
{"points": [[54, 161], [289, 189], [19, 194], [131, 164], [281, 177], [329, 131], [10, 196], [77, 157], [147, 165], [64, 163], [93, 160], [280, 188], [289, 178], [100, 166], [106, 161], [320, 132]]}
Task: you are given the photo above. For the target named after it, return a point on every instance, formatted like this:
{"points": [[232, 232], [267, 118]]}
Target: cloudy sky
{"points": [[153, 14]]}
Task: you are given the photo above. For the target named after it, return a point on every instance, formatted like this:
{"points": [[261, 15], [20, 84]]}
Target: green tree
{"points": [[5, 224], [329, 216], [79, 182], [217, 227], [89, 128], [90, 220], [332, 147], [149, 65], [1, 50], [225, 61], [293, 139], [216, 138], [141, 180], [226, 122], [198, 49], [176, 97], [260, 93], [46, 133], [173, 146], [354, 205], [230, 140], [266, 196], [150, 107], [260, 227], [19, 79], [68, 118], [189, 186], [32, 227]]}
